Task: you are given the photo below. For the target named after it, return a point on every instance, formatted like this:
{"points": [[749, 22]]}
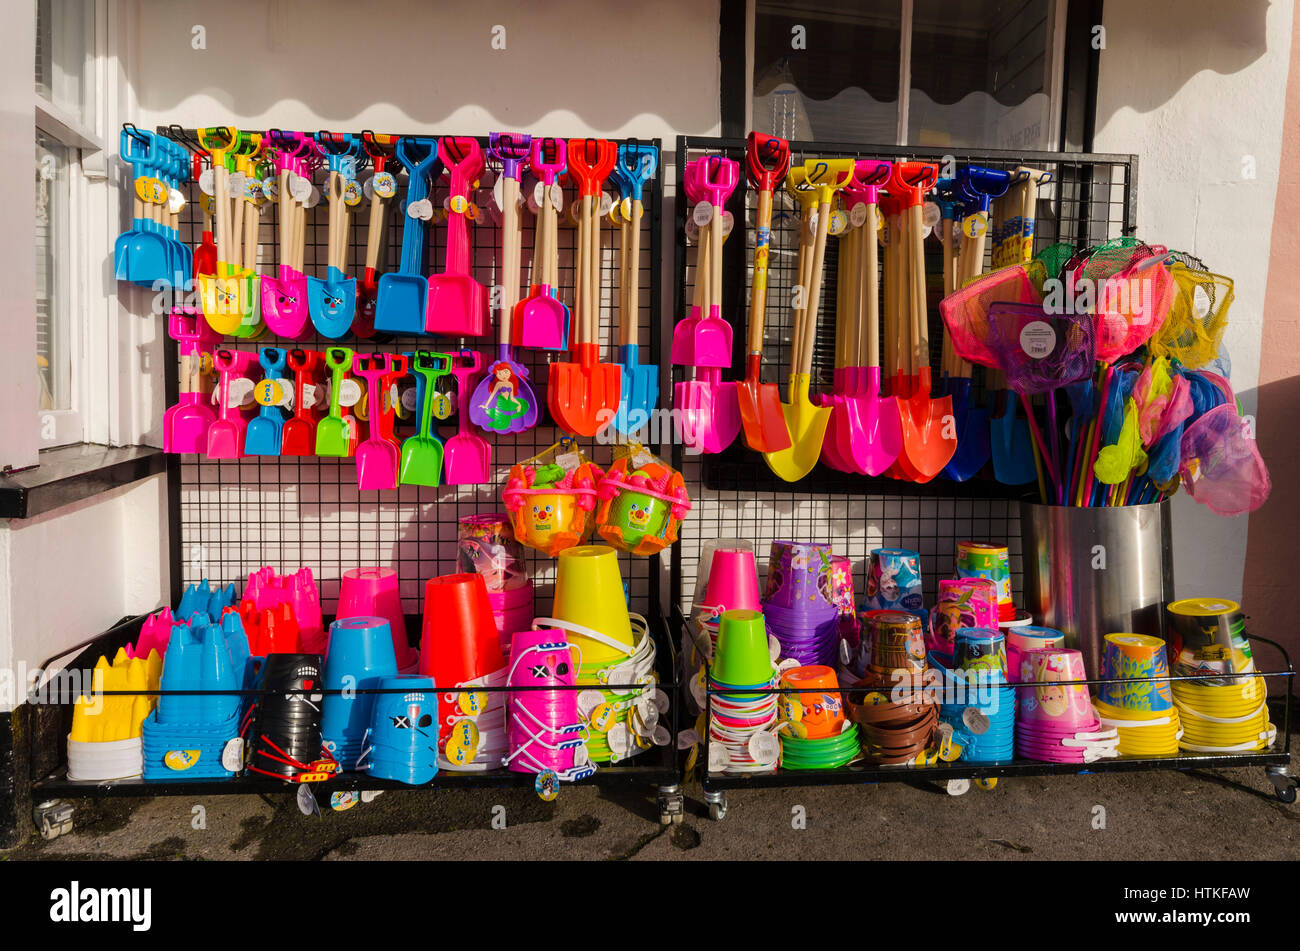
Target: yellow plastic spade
{"points": [[805, 422], [220, 294]]}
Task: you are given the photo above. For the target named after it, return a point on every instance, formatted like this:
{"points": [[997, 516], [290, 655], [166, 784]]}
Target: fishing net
{"points": [[1054, 257], [1132, 306], [966, 311], [1108, 259], [1121, 450], [1165, 453], [1198, 316], [1039, 351], [1221, 466]]}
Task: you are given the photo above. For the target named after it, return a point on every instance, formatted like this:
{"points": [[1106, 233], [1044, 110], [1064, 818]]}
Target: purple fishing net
{"points": [[1221, 466], [1039, 351]]}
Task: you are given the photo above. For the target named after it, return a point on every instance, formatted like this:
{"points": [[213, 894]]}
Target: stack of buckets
{"points": [[978, 703], [188, 734], [105, 741], [732, 586], [1027, 637], [815, 733], [1227, 713], [486, 545], [798, 605], [268, 590], [286, 738], [616, 655], [360, 656], [461, 650], [1055, 720], [402, 744], [898, 716], [374, 593], [202, 598], [742, 723], [546, 732], [963, 602], [1141, 707]]}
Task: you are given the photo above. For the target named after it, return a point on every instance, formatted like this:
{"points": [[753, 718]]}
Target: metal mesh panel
{"points": [[1091, 199], [233, 516]]}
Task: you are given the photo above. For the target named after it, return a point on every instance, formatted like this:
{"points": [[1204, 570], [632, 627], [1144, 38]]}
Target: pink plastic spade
{"points": [[704, 339], [185, 425], [226, 434], [467, 456], [378, 457], [710, 411], [457, 302]]}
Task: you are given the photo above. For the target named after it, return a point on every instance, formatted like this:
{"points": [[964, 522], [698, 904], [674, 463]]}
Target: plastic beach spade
{"points": [[298, 438], [767, 160], [504, 401], [185, 425], [403, 296], [639, 383], [541, 320], [333, 301], [333, 433], [422, 454], [263, 436], [468, 456], [704, 339], [377, 457], [457, 302]]}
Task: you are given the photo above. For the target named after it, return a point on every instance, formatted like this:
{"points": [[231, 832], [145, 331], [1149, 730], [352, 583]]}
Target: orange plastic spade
{"points": [[767, 159], [929, 430]]}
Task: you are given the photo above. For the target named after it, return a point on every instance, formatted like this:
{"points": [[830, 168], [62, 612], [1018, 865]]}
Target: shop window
{"points": [[965, 73], [66, 109]]}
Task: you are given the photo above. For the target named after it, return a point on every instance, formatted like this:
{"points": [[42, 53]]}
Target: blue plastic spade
{"points": [[263, 435], [973, 446], [332, 302], [141, 255], [403, 296], [639, 383]]}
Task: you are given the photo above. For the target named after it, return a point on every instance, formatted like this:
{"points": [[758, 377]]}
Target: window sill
{"points": [[73, 473]]}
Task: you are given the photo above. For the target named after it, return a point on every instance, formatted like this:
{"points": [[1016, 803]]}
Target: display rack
{"points": [[230, 517], [1093, 198]]}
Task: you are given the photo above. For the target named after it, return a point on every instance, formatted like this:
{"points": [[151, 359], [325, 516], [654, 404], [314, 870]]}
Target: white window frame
{"points": [[1053, 81], [91, 340]]}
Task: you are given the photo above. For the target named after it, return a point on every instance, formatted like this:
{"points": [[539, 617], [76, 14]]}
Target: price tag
{"points": [[313, 197], [269, 393], [606, 203], [702, 214], [931, 214], [311, 395], [237, 183], [589, 700], [620, 740], [858, 215], [239, 392], [692, 231], [1201, 302], [232, 756], [457, 203], [1037, 339], [299, 187], [765, 748], [349, 393], [719, 758], [271, 188], [176, 202], [625, 209], [408, 399], [728, 222], [839, 223], [207, 184], [442, 405], [307, 803], [472, 702], [422, 209], [384, 185], [975, 225], [352, 193]]}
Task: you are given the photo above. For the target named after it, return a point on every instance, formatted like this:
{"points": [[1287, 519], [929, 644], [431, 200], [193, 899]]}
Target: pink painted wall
{"points": [[1270, 589]]}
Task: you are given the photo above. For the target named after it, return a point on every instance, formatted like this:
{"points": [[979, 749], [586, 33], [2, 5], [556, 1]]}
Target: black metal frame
{"points": [[658, 766]]}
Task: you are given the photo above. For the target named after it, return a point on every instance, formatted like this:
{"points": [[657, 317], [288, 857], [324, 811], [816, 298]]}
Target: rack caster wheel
{"points": [[958, 787], [717, 805], [1284, 785], [987, 783], [672, 806], [53, 818]]}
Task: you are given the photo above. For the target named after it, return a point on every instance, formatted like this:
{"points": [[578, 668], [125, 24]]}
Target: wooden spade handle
{"points": [[920, 316], [871, 286], [819, 257]]}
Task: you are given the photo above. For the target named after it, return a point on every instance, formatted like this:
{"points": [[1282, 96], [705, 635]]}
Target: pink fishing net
{"points": [[1221, 466], [1039, 351], [1131, 307], [966, 311]]}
